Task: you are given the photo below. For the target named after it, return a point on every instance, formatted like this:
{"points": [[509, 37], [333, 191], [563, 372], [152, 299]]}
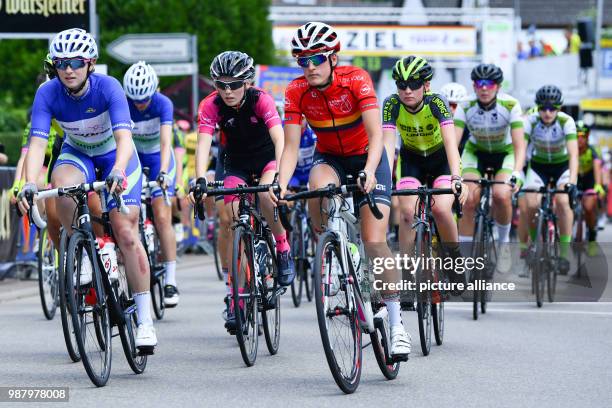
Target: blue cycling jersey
{"points": [[88, 121], [308, 142], [147, 123]]}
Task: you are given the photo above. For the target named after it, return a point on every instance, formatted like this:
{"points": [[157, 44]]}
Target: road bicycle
{"points": [[429, 303], [254, 275], [346, 306], [95, 307]]}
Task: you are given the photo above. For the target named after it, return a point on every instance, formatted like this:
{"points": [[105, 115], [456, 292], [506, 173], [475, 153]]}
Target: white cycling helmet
{"points": [[314, 37], [140, 81], [454, 92], [73, 43]]}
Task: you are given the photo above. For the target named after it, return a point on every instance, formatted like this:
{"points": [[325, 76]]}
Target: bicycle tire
{"points": [[310, 256], [65, 284], [242, 253], [271, 318], [217, 256], [437, 314], [551, 278], [47, 275], [127, 329], [540, 261], [380, 339], [157, 277], [297, 248], [100, 313], [477, 253], [424, 315], [491, 255], [328, 246]]}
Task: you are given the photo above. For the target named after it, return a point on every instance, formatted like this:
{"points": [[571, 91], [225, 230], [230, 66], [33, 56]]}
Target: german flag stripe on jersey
{"points": [[336, 123]]}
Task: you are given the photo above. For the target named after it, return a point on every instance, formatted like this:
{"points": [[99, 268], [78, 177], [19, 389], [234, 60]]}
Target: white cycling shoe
{"points": [[146, 339], [400, 342], [504, 260]]}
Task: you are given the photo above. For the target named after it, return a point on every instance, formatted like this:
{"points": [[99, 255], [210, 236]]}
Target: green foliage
{"points": [[231, 25], [12, 146]]}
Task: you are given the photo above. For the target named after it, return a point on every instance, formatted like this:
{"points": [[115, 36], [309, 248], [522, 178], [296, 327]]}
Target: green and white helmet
{"points": [[412, 68]]}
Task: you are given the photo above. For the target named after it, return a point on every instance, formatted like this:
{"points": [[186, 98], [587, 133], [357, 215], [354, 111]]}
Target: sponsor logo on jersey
{"points": [[90, 110]]}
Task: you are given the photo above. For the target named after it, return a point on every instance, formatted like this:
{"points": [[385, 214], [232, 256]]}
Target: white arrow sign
{"points": [[172, 47], [178, 69]]}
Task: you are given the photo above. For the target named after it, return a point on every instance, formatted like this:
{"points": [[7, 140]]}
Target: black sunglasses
{"points": [[231, 85], [412, 84]]}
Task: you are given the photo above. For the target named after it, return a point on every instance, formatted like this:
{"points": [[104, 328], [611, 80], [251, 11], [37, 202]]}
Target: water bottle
{"points": [[109, 256], [149, 231], [355, 257]]}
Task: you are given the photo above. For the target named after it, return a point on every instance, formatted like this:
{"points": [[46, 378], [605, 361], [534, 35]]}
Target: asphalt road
{"points": [[514, 356]]}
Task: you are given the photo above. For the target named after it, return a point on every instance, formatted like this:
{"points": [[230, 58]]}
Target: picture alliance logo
{"points": [[43, 7]]}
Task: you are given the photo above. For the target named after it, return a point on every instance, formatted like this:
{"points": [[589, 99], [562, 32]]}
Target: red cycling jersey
{"points": [[335, 113]]}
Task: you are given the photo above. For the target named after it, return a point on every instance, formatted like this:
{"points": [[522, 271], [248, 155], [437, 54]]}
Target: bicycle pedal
{"points": [[399, 358], [146, 350]]}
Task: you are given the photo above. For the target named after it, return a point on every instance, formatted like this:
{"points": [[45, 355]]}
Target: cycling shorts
{"points": [[104, 163], [539, 174], [586, 181], [219, 169], [476, 161], [418, 170], [352, 165], [299, 179], [235, 177], [153, 162]]}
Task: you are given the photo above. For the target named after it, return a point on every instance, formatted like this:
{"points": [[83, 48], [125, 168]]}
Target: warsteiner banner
{"points": [[43, 16]]}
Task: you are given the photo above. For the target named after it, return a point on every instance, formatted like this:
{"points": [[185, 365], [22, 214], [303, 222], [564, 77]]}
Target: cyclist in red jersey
{"points": [[341, 107]]}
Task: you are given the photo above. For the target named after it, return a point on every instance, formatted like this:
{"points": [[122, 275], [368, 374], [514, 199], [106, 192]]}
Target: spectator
{"points": [[521, 54], [573, 41], [3, 156], [547, 49], [534, 50]]}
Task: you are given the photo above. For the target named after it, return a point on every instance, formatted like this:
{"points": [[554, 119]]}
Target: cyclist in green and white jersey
{"points": [[497, 141], [429, 153], [552, 134]]}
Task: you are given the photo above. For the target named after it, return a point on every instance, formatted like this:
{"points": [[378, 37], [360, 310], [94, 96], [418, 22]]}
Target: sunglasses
{"points": [[316, 59], [549, 108], [411, 83], [233, 85], [484, 83], [73, 63]]}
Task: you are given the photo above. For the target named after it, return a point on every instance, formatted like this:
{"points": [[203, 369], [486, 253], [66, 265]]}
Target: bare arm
{"points": [[202, 152], [165, 137], [389, 137], [278, 138], [452, 151], [373, 126], [35, 158], [518, 141], [125, 148], [572, 150]]}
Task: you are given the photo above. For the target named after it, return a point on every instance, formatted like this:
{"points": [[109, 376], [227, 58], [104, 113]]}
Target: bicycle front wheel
{"points": [[381, 344], [244, 295], [477, 273], [541, 262], [337, 315], [127, 329], [423, 249], [158, 274], [89, 310], [553, 251], [271, 304], [47, 275], [297, 248], [215, 244]]}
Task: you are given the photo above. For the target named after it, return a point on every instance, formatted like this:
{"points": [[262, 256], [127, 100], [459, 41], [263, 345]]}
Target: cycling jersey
{"points": [[56, 137], [249, 146], [550, 142], [334, 114], [420, 131], [490, 130], [191, 142], [308, 142], [88, 123], [147, 123], [586, 160]]}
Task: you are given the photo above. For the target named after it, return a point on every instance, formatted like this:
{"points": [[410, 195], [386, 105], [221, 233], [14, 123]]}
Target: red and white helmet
{"points": [[314, 37]]}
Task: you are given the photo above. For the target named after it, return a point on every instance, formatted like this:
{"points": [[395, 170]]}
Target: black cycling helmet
{"points": [[549, 95], [233, 64], [581, 128], [48, 67], [488, 71], [412, 68]]}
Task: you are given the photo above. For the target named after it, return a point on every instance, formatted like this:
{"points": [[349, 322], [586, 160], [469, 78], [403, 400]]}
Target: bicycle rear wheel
{"points": [[381, 344], [423, 249], [311, 249], [89, 310], [244, 294], [541, 262], [271, 310], [553, 251], [127, 329], [217, 256], [336, 315], [47, 275], [65, 289], [297, 248]]}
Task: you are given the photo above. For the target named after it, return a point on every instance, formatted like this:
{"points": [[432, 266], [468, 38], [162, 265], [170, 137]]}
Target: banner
{"points": [[43, 16], [499, 47], [597, 113], [394, 41], [275, 79]]}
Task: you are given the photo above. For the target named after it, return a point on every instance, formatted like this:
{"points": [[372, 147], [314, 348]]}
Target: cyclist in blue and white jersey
{"points": [[93, 112], [152, 114], [308, 141]]}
